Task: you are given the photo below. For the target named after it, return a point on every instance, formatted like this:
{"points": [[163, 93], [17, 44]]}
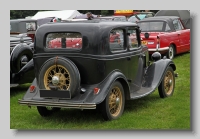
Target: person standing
{"points": [[89, 16]]}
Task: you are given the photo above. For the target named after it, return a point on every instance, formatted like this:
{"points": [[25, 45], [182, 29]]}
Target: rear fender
{"points": [[105, 87], [29, 95], [88, 96]]}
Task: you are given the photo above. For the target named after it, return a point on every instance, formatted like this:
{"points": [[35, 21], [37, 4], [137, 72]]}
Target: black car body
{"points": [[22, 32], [94, 71], [112, 18]]}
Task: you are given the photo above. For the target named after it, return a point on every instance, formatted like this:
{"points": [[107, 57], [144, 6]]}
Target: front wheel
{"points": [[46, 111], [166, 87], [113, 105]]}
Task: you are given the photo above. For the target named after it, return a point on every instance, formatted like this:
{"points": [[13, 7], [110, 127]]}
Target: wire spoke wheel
{"points": [[166, 87], [168, 83], [58, 76], [115, 101], [113, 105]]}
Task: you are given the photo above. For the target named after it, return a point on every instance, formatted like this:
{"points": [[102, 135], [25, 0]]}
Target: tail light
{"points": [[96, 91], [31, 36], [32, 88], [158, 43]]}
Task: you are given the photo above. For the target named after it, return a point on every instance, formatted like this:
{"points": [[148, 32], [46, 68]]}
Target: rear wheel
{"points": [[113, 105], [166, 87], [171, 52]]}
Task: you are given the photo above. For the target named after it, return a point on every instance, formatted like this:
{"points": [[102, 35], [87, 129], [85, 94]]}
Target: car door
{"points": [[182, 35], [136, 59], [186, 37]]}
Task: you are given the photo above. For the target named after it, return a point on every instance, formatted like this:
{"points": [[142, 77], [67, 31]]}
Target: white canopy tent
{"points": [[63, 14]]}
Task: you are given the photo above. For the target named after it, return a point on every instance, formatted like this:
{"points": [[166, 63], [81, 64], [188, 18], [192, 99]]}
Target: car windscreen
{"points": [[134, 19], [151, 26], [22, 27]]}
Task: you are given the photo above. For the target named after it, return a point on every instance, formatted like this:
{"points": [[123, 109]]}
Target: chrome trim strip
{"points": [[58, 104], [159, 49]]}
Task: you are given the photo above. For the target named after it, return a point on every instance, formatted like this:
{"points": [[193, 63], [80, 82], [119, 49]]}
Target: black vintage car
{"points": [[78, 65], [22, 32]]}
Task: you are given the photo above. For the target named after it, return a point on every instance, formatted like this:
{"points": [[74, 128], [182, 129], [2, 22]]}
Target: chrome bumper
{"points": [[159, 49], [57, 104]]}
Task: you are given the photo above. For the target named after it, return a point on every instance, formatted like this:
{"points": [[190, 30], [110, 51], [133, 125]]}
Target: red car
{"points": [[77, 42], [165, 34], [66, 43]]}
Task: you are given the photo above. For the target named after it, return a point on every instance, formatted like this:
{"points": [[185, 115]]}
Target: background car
{"points": [[139, 16], [112, 18], [165, 34]]}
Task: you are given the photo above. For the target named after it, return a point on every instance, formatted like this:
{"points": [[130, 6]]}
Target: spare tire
{"points": [[64, 71]]}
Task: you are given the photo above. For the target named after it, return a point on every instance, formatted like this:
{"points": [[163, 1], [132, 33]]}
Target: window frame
{"points": [[46, 46], [124, 42]]}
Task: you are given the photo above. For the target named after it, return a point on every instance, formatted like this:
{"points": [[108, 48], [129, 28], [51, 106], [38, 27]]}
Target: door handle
{"points": [[179, 34]]}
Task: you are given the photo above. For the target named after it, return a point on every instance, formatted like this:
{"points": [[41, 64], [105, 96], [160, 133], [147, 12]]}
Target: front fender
{"points": [[16, 55], [155, 72], [25, 75]]}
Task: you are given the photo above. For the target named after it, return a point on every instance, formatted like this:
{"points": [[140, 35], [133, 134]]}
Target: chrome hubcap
{"points": [[55, 80], [117, 102]]}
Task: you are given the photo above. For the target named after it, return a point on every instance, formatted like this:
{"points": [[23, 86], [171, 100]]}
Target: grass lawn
{"points": [[150, 112]]}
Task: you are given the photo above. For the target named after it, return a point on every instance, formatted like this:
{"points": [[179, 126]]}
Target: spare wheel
{"points": [[61, 73]]}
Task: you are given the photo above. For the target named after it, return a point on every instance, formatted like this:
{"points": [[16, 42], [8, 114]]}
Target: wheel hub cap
{"points": [[55, 80], [117, 101], [170, 82]]}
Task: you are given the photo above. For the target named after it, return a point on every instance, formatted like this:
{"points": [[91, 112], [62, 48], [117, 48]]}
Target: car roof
{"points": [[144, 13], [161, 18], [111, 16], [94, 23], [22, 20], [167, 19]]}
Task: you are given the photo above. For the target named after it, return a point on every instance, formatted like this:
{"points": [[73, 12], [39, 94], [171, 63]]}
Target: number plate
{"points": [[144, 42], [55, 94]]}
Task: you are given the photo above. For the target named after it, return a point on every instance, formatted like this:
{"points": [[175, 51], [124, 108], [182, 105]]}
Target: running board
{"points": [[144, 91]]}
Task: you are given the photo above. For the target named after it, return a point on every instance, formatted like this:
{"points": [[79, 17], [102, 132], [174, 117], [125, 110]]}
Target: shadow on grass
{"points": [[182, 54], [138, 104], [21, 88], [95, 116], [75, 116]]}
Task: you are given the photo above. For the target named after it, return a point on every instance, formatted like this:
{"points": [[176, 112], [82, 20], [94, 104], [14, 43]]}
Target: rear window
{"points": [[67, 40], [151, 26]]}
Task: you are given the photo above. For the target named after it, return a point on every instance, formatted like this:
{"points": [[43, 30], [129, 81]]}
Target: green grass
{"points": [[148, 113]]}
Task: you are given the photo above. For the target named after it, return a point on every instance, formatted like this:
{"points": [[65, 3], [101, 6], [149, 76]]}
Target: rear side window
{"points": [[117, 40], [132, 38], [177, 25], [68, 40], [167, 28]]}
